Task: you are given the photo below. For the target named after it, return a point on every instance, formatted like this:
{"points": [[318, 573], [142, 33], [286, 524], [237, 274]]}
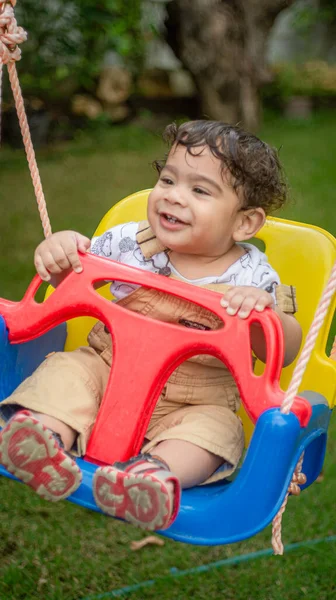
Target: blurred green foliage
{"points": [[314, 78], [68, 40], [308, 14]]}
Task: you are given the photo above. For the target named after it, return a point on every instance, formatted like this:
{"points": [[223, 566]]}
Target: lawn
{"points": [[62, 552]]}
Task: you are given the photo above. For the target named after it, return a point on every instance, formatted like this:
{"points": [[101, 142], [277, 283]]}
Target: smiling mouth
{"points": [[172, 219]]}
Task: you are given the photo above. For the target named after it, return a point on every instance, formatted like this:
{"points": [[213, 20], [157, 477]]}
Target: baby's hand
{"points": [[243, 299], [59, 252]]}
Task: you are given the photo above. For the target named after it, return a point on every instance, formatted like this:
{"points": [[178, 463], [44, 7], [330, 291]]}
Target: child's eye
{"points": [[199, 190], [166, 180]]}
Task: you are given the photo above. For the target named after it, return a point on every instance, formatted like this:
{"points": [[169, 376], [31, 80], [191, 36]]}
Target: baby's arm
{"points": [[241, 300], [58, 254]]}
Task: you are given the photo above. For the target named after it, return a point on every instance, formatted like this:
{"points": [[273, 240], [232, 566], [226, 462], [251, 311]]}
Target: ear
{"points": [[249, 223]]}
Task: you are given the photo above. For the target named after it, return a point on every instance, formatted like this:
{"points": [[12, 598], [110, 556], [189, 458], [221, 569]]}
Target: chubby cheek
{"points": [[151, 206], [212, 230], [205, 223]]}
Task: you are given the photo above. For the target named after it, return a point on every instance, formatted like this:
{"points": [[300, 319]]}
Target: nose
{"points": [[174, 195]]}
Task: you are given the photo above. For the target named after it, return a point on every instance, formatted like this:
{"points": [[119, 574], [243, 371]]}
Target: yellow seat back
{"points": [[303, 255]]}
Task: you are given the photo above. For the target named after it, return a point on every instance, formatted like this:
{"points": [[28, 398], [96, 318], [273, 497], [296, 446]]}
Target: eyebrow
{"points": [[196, 177]]}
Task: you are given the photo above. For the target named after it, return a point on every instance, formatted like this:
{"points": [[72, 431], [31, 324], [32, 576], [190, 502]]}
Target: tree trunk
{"points": [[222, 44]]}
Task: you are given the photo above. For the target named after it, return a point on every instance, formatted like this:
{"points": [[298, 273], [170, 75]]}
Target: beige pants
{"points": [[198, 403]]}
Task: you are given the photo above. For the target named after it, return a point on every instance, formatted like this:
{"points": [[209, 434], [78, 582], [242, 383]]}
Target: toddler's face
{"points": [[192, 209]]}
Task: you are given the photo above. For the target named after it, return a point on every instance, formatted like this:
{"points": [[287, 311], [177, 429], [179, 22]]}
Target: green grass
{"points": [[62, 552], [307, 150]]}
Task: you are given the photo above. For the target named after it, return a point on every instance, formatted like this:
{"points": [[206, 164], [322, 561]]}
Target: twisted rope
{"points": [[333, 350], [10, 36], [289, 398], [309, 344], [298, 479], [10, 33], [294, 488]]}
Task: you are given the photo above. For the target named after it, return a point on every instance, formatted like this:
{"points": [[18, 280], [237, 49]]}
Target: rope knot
{"points": [[297, 480], [11, 34]]}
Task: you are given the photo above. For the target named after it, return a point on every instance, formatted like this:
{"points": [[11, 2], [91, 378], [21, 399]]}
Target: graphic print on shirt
{"points": [[103, 245], [271, 287], [126, 245], [245, 261], [120, 244]]}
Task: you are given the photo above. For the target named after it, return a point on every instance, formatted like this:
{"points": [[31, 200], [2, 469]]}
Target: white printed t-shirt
{"points": [[119, 244]]}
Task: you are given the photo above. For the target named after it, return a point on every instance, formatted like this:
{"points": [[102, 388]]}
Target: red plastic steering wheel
{"points": [[139, 370]]}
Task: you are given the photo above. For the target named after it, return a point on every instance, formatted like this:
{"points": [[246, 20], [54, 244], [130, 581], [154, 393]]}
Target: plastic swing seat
{"points": [[219, 513]]}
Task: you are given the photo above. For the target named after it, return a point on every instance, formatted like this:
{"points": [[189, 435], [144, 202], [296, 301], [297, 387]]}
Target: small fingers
{"points": [[40, 268], [263, 301], [50, 262], [71, 246], [57, 260], [74, 260], [234, 303], [83, 243], [246, 307], [225, 301], [242, 300], [60, 253]]}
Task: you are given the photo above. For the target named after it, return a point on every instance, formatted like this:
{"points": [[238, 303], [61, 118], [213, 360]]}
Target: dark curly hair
{"points": [[256, 172]]}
